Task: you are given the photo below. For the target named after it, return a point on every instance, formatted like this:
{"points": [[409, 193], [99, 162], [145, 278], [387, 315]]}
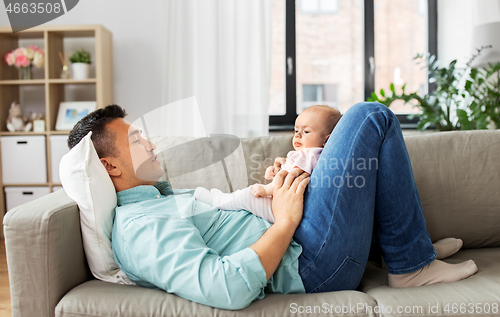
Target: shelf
{"points": [[26, 185], [47, 90], [8, 133], [23, 82], [62, 132], [32, 185], [27, 34], [72, 81], [50, 81]]}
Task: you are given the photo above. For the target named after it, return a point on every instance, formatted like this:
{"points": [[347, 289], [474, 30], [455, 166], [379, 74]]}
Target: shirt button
{"points": [[158, 196]]}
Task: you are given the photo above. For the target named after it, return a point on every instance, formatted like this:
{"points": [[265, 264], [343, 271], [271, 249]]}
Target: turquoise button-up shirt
{"points": [[164, 238]]}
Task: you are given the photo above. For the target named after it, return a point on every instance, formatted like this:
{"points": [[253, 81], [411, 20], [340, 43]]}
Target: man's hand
{"points": [[288, 196], [287, 208], [271, 171]]}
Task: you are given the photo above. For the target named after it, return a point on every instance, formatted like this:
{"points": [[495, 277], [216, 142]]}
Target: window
{"points": [[319, 6], [314, 94], [338, 52]]}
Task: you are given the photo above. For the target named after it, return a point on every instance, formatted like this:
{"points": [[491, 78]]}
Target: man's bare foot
{"points": [[258, 190], [447, 247], [435, 272]]}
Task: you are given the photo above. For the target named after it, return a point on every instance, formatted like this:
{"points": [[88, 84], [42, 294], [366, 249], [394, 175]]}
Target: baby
{"points": [[312, 129]]}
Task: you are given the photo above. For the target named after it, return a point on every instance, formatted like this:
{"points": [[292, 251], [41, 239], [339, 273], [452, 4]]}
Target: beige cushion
{"points": [[245, 166], [458, 178], [98, 298], [480, 290]]}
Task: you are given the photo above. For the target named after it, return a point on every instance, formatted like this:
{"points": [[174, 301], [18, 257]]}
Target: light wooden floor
{"points": [[5, 310]]}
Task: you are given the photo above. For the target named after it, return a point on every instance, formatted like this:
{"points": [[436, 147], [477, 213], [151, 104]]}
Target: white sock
{"points": [[447, 247], [435, 272]]}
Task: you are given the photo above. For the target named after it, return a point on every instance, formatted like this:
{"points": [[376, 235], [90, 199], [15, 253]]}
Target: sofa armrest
{"points": [[45, 254]]}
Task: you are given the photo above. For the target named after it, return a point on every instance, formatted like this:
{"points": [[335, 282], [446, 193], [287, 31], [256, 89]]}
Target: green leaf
{"points": [[80, 56], [382, 92], [393, 90], [463, 119], [468, 85], [473, 73]]}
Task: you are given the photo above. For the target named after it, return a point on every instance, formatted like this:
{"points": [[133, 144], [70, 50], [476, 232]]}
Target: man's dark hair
{"points": [[96, 121]]}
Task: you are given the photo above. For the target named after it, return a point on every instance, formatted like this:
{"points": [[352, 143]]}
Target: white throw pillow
{"points": [[87, 182]]}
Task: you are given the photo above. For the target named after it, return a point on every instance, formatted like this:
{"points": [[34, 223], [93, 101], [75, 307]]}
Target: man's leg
{"points": [[363, 177]]}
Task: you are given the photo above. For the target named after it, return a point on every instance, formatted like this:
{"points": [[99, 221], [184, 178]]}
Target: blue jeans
{"points": [[361, 190]]}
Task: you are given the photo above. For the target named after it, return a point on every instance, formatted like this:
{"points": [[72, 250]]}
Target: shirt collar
{"points": [[143, 192]]}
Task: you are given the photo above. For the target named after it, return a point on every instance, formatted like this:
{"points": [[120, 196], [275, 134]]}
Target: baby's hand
{"points": [[271, 171], [279, 161], [258, 190]]}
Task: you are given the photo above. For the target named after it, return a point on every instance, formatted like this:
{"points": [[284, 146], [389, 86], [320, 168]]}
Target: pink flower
{"points": [[33, 47], [10, 59], [22, 61], [19, 52]]}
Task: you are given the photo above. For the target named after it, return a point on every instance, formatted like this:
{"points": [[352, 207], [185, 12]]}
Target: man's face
{"points": [[136, 158]]}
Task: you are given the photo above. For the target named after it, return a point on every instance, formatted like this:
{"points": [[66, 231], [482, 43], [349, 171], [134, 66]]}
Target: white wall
{"points": [[456, 20], [136, 47]]}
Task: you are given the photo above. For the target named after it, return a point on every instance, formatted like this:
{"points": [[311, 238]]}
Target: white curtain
{"points": [[486, 11], [219, 52]]}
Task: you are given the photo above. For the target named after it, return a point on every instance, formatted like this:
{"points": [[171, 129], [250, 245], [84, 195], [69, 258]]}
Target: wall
{"points": [[456, 20], [136, 46]]}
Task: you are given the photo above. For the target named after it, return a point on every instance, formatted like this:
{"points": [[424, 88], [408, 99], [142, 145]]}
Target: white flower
{"points": [[29, 52], [38, 59]]}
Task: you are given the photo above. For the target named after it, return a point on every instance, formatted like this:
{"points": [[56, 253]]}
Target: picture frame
{"points": [[70, 112]]}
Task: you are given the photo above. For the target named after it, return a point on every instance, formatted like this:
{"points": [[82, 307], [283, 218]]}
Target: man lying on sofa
{"points": [[319, 242]]}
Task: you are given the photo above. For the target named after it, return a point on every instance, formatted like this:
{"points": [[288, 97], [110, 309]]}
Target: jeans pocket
{"points": [[346, 277]]}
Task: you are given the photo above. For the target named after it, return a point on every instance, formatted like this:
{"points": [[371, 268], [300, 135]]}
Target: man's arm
{"points": [[288, 205]]}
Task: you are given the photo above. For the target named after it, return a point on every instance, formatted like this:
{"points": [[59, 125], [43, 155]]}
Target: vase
{"points": [[25, 73], [80, 70]]}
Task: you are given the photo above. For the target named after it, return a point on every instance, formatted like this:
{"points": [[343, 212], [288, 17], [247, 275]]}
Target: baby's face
{"points": [[309, 130]]}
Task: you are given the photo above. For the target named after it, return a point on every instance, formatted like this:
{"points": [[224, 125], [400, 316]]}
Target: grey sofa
{"points": [[458, 177]]}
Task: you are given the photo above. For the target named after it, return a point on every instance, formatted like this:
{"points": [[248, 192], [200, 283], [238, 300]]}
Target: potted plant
{"points": [[80, 60], [464, 98]]}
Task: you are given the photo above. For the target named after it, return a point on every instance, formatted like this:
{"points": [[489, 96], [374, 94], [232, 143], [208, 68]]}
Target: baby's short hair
{"points": [[332, 115]]}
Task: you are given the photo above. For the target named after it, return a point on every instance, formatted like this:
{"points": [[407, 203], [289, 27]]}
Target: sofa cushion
{"points": [[480, 292], [458, 177], [245, 166], [97, 298]]}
